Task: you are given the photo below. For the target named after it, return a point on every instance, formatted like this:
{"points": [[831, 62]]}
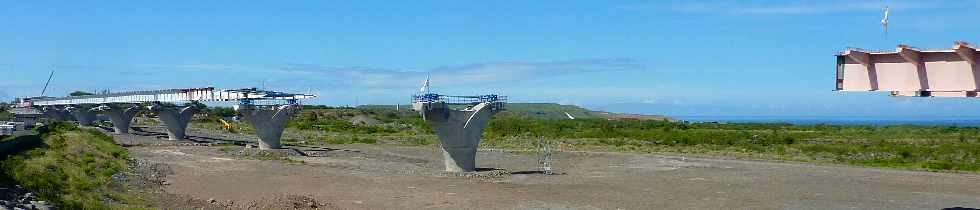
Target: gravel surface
{"points": [[392, 177], [398, 177]]}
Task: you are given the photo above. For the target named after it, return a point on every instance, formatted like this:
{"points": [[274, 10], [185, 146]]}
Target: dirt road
{"points": [[392, 177]]}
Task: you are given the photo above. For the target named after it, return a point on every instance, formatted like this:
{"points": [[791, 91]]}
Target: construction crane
{"points": [[45, 89]]}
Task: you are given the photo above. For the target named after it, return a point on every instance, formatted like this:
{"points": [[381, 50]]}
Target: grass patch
{"points": [[73, 170], [258, 154], [348, 139], [417, 140]]}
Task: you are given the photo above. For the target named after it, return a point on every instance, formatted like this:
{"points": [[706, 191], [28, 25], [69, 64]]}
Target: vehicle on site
{"points": [[7, 129]]}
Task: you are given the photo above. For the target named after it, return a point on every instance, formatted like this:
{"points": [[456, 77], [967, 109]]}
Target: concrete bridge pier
{"points": [[268, 121], [175, 118], [83, 114], [121, 115], [458, 130]]}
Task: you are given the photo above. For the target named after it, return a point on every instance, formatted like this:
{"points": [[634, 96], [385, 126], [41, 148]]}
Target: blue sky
{"points": [[656, 57]]}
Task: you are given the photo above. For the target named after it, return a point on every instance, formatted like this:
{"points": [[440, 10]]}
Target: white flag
{"points": [[425, 85]]}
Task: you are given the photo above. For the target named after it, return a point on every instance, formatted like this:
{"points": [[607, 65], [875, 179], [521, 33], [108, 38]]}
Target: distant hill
{"points": [[548, 111]]}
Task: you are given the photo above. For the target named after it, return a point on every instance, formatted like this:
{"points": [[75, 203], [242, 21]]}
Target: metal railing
{"points": [[496, 100]]}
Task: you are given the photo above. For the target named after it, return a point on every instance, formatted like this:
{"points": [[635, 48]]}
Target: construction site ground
{"points": [[360, 176]]}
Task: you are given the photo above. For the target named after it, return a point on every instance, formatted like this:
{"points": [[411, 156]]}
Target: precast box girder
{"points": [[909, 71]]}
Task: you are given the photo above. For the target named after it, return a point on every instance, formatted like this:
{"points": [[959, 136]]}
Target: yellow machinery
{"points": [[225, 125]]}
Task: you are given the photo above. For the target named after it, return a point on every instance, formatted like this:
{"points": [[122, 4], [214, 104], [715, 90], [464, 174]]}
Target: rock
{"points": [[41, 205], [212, 201]]}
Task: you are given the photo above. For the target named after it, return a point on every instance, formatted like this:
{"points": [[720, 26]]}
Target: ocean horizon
{"points": [[970, 121]]}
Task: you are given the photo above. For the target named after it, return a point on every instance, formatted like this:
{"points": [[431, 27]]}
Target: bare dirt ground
{"points": [[396, 177]]}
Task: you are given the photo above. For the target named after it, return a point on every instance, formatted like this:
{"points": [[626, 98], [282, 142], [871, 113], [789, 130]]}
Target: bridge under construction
{"points": [[459, 130], [265, 111]]}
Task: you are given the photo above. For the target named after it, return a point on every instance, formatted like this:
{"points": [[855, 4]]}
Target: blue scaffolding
{"points": [[496, 100]]}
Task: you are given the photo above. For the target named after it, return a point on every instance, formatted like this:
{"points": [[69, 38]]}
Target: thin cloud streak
{"points": [[313, 76], [465, 74], [193, 66], [792, 8]]}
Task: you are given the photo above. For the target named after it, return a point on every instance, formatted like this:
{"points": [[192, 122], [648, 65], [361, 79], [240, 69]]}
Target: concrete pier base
{"points": [[268, 121], [121, 115], [83, 114], [175, 118], [459, 131]]}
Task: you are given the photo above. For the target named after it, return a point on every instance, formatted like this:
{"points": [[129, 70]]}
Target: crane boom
{"points": [[47, 82]]}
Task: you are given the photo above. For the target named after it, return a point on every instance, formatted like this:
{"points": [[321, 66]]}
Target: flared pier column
{"points": [[83, 114], [175, 118], [121, 115], [268, 121], [458, 130], [55, 113]]}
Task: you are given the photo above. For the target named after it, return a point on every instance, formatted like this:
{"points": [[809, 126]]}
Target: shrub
{"points": [[937, 164]]}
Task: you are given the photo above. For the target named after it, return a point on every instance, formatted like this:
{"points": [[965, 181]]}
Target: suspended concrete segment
{"points": [[268, 121], [123, 106], [459, 130], [908, 71]]}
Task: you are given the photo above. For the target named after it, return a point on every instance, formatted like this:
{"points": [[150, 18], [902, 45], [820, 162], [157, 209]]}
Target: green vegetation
{"points": [[352, 139], [905, 146], [6, 116], [926, 147], [338, 120], [547, 111], [521, 127], [80, 93], [74, 170], [256, 154]]}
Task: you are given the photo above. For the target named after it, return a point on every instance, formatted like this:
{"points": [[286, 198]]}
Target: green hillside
{"points": [[547, 110], [542, 110]]}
